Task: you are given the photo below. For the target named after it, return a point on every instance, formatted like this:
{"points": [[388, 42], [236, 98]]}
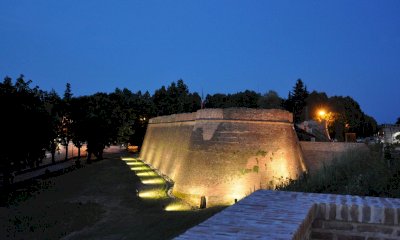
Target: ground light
{"points": [[139, 168], [156, 185], [146, 174], [153, 181], [129, 159], [177, 206], [135, 163], [152, 194]]}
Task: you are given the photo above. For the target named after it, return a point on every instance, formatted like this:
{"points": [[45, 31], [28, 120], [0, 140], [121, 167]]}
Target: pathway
{"points": [[47, 165]]}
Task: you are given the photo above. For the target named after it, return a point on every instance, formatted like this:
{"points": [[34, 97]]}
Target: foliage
{"points": [[356, 173], [40, 120], [270, 100], [25, 125], [249, 99], [343, 114], [297, 101], [350, 118], [175, 99]]}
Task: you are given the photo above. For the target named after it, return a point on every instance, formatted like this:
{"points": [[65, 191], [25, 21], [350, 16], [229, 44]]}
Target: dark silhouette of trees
{"points": [[398, 120], [78, 116], [65, 132], [350, 118], [34, 120], [345, 113], [176, 98], [315, 102], [270, 100], [297, 101], [53, 106], [25, 126], [249, 99]]}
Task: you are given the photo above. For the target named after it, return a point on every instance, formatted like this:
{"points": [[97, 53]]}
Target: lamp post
{"points": [[323, 117]]}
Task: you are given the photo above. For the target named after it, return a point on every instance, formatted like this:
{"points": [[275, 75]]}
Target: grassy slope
{"points": [[356, 173], [95, 202]]}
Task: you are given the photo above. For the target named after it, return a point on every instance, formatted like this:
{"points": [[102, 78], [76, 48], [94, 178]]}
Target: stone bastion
{"points": [[224, 154]]}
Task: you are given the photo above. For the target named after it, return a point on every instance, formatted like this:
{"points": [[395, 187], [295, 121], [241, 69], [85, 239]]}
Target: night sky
{"points": [[347, 48]]}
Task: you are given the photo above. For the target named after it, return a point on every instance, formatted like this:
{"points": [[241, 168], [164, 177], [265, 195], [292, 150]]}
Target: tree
{"points": [[398, 120], [65, 133], [160, 101], [218, 100], [270, 100], [247, 99], [315, 102], [77, 127], [297, 101], [53, 106], [176, 98], [350, 118], [25, 126]]}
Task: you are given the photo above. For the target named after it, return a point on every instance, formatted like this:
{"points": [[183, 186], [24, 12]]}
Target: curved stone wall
{"points": [[223, 154]]}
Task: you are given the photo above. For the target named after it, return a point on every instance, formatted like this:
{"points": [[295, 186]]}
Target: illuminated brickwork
{"points": [[223, 154]]}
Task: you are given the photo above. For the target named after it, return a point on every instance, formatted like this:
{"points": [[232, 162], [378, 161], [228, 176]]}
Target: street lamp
{"points": [[322, 113], [323, 116]]}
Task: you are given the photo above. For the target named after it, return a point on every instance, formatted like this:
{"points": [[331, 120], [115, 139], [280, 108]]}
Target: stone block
{"points": [[344, 212], [336, 225], [366, 214], [332, 211], [389, 216], [322, 235], [374, 228], [349, 237]]}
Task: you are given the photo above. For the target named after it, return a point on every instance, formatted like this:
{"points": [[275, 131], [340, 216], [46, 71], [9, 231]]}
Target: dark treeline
{"points": [[343, 113], [34, 120]]}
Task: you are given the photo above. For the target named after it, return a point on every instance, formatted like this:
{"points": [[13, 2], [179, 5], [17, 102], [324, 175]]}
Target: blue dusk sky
{"points": [[347, 48]]}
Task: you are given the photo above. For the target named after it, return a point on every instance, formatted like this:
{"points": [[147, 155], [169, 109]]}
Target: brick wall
{"points": [[296, 215], [226, 154], [316, 154], [223, 154], [377, 220]]}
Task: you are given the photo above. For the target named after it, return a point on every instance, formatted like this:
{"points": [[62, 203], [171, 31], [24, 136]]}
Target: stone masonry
{"points": [[294, 215], [223, 154]]}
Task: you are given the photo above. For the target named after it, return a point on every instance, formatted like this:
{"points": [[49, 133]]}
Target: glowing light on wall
{"points": [[152, 194], [135, 163], [196, 190], [153, 181], [176, 206], [144, 174], [237, 191], [140, 168], [129, 159]]}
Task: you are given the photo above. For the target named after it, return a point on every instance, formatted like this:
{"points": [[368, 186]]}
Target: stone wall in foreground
{"points": [[296, 215], [223, 154], [318, 154]]}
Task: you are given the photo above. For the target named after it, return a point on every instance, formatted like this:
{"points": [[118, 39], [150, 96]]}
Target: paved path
{"points": [[58, 165], [267, 214]]}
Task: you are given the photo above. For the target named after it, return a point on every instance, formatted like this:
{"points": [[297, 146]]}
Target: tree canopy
{"points": [[35, 120]]}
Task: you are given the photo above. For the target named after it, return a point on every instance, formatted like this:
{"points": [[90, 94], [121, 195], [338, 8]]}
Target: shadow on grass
{"points": [[96, 201]]}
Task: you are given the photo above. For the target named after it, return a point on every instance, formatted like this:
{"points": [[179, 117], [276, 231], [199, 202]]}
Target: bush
{"points": [[355, 173]]}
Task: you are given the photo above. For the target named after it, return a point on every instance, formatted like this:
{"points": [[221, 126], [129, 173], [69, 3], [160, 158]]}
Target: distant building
{"points": [[316, 129], [389, 132]]}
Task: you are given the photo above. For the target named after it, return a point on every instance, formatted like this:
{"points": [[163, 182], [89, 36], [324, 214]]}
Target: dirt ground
{"points": [[98, 201]]}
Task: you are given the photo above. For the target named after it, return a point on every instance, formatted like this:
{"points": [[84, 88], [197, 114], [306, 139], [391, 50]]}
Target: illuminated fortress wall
{"points": [[223, 154]]}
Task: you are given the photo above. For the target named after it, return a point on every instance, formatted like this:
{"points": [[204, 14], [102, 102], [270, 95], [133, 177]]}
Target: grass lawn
{"points": [[98, 201]]}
